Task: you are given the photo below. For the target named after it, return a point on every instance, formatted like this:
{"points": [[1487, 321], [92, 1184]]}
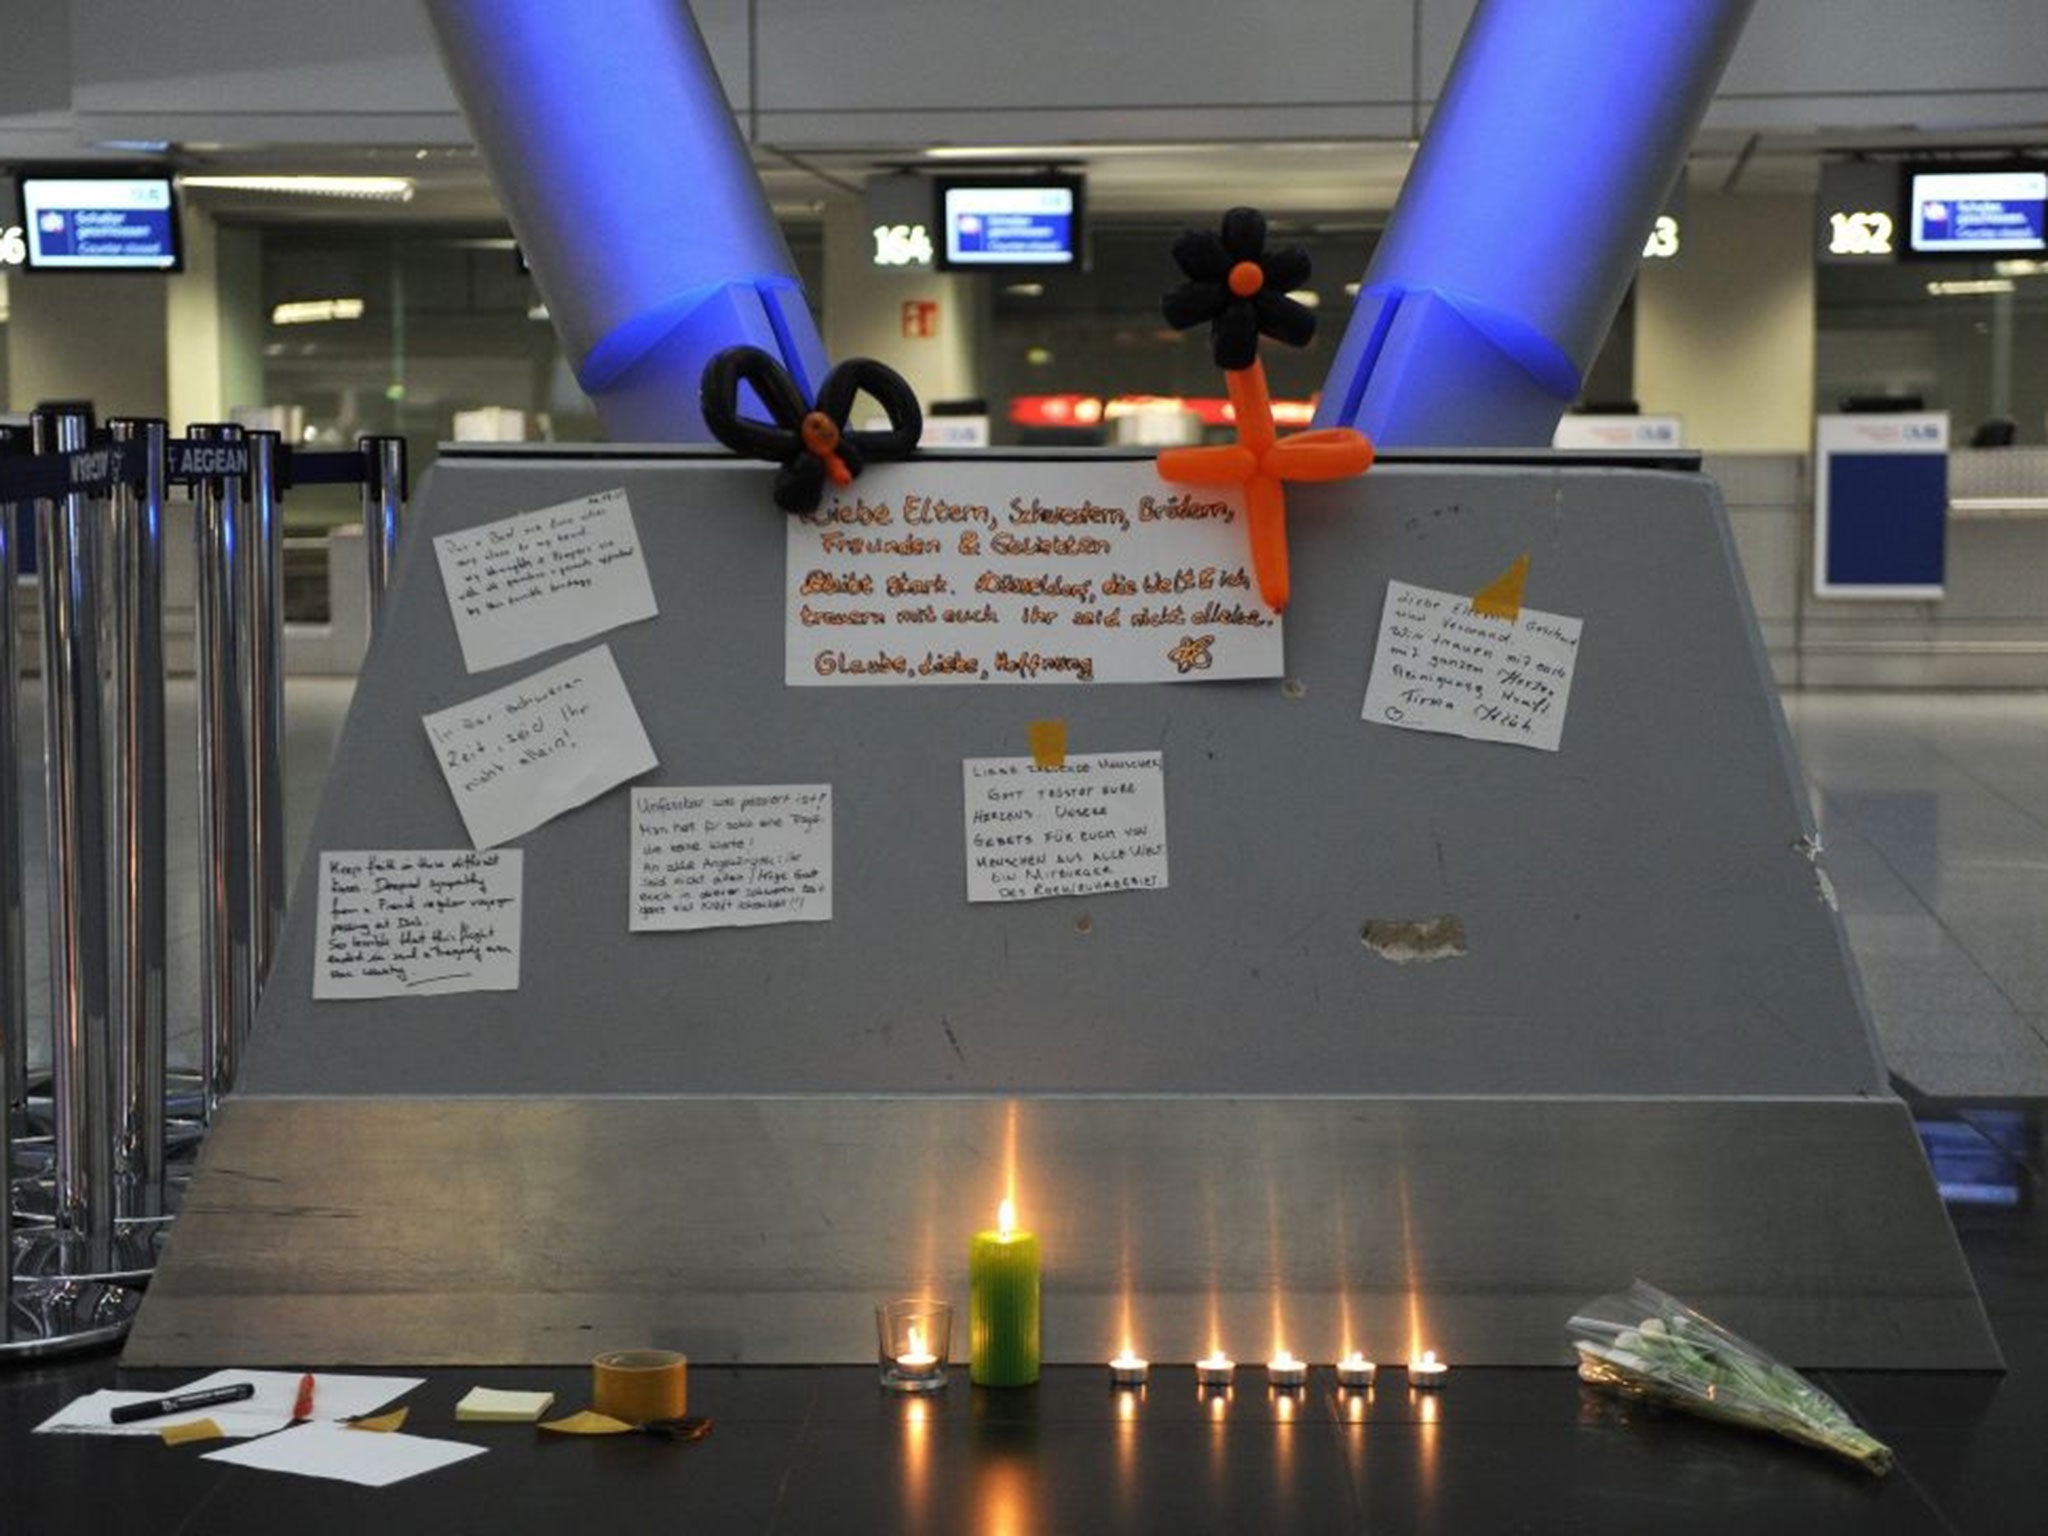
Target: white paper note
{"points": [[412, 923], [731, 856], [937, 572], [335, 1396], [345, 1455], [526, 584], [518, 757], [92, 1415], [1096, 824], [1441, 667]]}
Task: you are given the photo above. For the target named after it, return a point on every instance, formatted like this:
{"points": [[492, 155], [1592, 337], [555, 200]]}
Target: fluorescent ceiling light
{"points": [[315, 311], [2020, 268], [1961, 287], [383, 189]]}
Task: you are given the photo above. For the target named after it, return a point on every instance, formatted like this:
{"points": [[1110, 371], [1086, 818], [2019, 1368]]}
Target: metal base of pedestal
{"points": [[49, 1319], [1476, 1224]]}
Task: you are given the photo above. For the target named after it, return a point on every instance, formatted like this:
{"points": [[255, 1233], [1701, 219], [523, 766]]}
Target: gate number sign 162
{"points": [[1860, 234]]}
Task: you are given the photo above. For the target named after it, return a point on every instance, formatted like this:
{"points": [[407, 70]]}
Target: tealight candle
{"points": [[913, 1338], [1355, 1371], [1216, 1370], [917, 1360], [1283, 1370], [1428, 1373], [1127, 1370], [1002, 1304]]}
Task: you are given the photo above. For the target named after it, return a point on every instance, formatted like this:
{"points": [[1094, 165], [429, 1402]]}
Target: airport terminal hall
{"points": [[926, 768]]}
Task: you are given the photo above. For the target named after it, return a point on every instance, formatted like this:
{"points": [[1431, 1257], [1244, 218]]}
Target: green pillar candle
{"points": [[1002, 1305]]}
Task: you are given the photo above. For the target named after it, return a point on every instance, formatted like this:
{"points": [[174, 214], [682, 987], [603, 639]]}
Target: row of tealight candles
{"points": [[1426, 1373]]}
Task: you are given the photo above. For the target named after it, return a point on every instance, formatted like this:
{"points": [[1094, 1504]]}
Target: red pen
{"points": [[302, 1410]]}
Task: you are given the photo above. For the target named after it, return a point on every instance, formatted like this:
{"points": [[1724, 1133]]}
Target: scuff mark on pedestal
{"points": [[1414, 941]]}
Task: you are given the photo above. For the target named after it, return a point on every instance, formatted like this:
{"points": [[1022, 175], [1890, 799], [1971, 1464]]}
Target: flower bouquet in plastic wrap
{"points": [[1645, 1344]]}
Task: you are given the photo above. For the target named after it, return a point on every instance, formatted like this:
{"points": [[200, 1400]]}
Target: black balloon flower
{"points": [[1239, 289]]}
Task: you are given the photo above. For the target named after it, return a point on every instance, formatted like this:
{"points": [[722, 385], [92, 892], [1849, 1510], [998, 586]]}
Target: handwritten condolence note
{"points": [[1442, 667], [1096, 824], [518, 757], [527, 584], [946, 573], [411, 924], [731, 856]]}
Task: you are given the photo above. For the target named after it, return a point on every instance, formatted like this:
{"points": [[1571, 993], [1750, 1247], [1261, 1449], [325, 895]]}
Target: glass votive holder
{"points": [[913, 1340]]}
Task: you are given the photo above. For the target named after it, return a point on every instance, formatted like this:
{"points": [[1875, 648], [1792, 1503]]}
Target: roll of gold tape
{"points": [[640, 1385]]}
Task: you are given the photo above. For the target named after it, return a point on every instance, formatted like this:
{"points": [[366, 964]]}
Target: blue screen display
{"points": [[1010, 226], [100, 223], [1980, 211], [1887, 519]]}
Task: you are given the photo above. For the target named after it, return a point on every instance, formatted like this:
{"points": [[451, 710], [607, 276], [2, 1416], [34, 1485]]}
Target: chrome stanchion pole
{"points": [[82, 1243], [13, 946], [383, 511], [266, 694], [71, 1308], [227, 976], [73, 765], [137, 848]]}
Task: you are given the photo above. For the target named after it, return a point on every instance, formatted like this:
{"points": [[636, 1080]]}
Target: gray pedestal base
{"points": [[1232, 1119], [764, 1230]]}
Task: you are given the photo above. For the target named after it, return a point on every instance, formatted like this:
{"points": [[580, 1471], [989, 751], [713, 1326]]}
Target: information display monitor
{"points": [[1010, 223], [1978, 212], [82, 222]]}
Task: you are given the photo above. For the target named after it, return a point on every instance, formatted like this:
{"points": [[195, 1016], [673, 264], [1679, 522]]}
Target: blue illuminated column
{"points": [[615, 154], [1562, 127]]}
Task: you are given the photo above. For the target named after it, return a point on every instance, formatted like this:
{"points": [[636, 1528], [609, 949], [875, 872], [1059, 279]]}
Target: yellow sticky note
{"points": [[588, 1423], [198, 1429], [1501, 598], [490, 1405], [1049, 743], [383, 1423]]}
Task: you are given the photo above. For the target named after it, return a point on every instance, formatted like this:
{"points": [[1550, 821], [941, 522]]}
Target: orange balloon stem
{"points": [[1267, 504], [1252, 403]]}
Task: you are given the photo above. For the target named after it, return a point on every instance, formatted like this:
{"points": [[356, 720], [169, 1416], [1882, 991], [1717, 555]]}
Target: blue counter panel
{"points": [[1887, 519]]}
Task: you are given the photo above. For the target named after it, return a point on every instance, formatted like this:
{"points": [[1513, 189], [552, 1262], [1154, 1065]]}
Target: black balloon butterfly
{"points": [[1239, 289], [810, 442]]}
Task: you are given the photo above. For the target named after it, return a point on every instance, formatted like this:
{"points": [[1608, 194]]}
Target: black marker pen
{"points": [[128, 1413]]}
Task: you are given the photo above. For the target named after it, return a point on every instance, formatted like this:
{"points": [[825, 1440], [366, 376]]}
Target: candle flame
{"points": [[1006, 1218], [916, 1340]]}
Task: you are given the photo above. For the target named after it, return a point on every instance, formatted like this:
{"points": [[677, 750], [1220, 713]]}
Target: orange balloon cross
{"points": [[1262, 462]]}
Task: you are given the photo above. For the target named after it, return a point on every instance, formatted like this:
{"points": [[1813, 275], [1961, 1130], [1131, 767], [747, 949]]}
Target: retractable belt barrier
{"points": [[83, 1208], [95, 471]]}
